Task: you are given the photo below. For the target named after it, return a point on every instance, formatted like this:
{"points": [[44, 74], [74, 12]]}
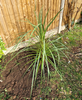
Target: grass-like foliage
{"points": [[2, 47], [4, 95], [46, 51]]}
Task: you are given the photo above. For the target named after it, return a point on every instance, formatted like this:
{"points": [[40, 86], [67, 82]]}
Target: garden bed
{"points": [[13, 79], [15, 86]]}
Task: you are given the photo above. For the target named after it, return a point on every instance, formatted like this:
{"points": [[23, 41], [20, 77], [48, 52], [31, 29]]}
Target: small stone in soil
{"points": [[1, 80]]}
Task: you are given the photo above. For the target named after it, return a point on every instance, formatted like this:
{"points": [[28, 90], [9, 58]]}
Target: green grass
{"points": [[72, 80], [71, 71], [73, 36]]}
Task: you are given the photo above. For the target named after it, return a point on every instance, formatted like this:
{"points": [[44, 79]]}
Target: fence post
{"points": [[61, 15]]}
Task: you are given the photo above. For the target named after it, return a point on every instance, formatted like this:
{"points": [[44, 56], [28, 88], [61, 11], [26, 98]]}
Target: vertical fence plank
{"points": [[4, 26], [49, 12], [37, 8], [33, 3], [25, 14], [12, 18], [29, 16], [2, 34], [58, 9], [54, 12], [45, 11], [65, 13], [31, 13], [22, 20], [16, 14], [7, 20], [52, 15]]}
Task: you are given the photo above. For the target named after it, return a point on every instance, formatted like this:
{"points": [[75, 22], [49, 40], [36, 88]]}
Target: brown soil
{"points": [[13, 80]]}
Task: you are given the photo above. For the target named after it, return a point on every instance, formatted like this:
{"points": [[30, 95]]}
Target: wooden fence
{"points": [[13, 15]]}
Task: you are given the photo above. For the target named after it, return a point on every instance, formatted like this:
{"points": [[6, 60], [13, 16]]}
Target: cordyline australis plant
{"points": [[45, 52]]}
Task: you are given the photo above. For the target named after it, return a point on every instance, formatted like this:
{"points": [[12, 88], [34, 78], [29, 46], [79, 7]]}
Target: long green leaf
{"points": [[47, 65], [52, 20], [33, 75], [55, 63], [38, 65]]}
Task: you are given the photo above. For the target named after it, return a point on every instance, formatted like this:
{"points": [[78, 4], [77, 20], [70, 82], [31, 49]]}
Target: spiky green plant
{"points": [[46, 51]]}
